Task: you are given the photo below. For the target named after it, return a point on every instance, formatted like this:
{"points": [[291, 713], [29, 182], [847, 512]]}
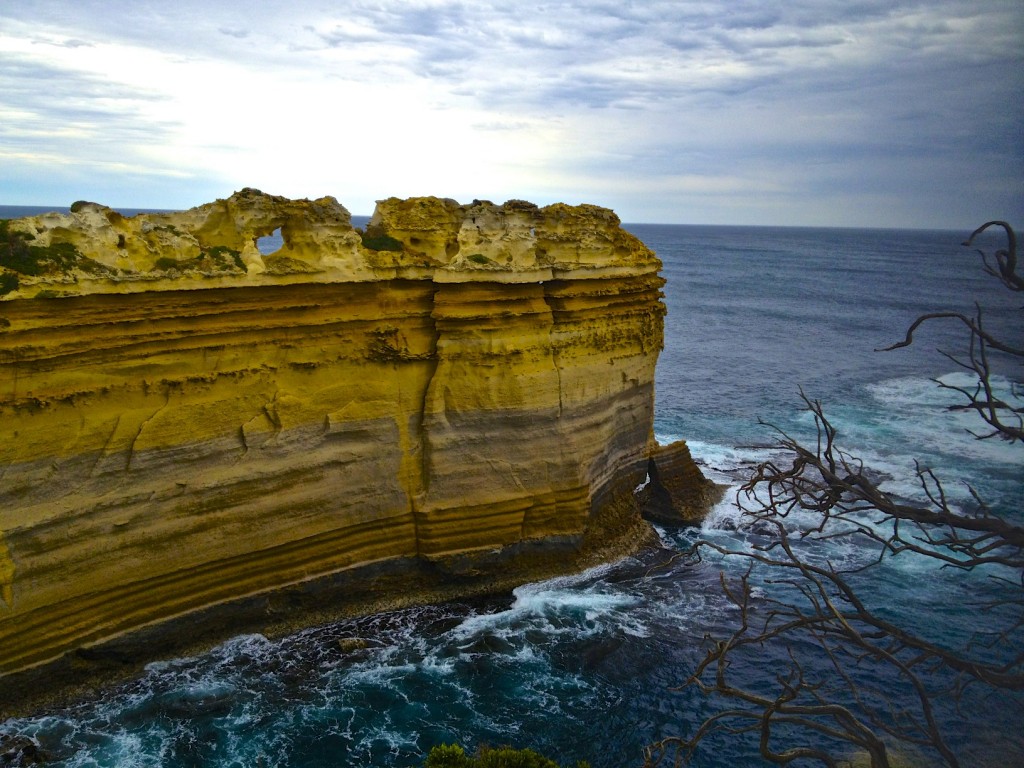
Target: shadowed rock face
{"points": [[676, 492], [233, 442]]}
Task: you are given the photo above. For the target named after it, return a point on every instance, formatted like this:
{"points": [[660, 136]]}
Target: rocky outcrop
{"points": [[17, 750], [197, 439], [676, 492], [94, 249]]}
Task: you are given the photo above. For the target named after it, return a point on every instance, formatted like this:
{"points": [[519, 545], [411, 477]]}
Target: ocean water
{"points": [[586, 666]]}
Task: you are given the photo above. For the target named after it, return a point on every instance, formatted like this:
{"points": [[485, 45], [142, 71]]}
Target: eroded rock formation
{"points": [[197, 439], [676, 492]]}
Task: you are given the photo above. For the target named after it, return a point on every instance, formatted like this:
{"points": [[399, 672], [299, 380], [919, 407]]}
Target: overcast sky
{"points": [[805, 112]]}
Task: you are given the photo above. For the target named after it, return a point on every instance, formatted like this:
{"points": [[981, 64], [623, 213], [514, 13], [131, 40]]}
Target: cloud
{"points": [[72, 43], [789, 104], [346, 32], [62, 112]]}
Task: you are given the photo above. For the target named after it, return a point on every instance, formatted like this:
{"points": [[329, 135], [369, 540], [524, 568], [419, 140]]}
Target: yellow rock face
{"points": [[458, 386]]}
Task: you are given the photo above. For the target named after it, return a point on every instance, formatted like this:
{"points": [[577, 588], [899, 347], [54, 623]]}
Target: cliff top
{"points": [[94, 249]]}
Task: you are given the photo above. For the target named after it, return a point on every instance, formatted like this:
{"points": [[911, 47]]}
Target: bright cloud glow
{"points": [[732, 111]]}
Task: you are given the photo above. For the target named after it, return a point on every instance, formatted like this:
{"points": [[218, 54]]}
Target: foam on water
{"points": [[932, 416], [578, 605], [898, 424]]}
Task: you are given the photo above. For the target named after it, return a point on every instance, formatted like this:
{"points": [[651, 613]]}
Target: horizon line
{"points": [[146, 209]]}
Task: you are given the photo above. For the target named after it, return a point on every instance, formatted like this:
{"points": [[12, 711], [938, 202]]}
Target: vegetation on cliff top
{"points": [[8, 283], [219, 258], [18, 256], [377, 240]]}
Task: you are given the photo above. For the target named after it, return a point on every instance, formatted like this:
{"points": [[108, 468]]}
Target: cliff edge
{"points": [[197, 439]]}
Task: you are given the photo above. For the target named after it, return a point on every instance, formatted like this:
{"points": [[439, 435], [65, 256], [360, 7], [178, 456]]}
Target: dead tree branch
{"points": [[854, 677]]}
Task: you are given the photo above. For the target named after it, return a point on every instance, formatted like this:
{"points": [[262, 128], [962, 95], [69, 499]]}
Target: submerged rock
{"points": [[16, 750]]}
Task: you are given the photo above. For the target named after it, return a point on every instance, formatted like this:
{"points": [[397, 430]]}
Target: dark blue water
{"points": [[19, 211], [582, 667]]}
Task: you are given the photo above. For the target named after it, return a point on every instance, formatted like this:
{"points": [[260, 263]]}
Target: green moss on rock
{"points": [[218, 259], [381, 242], [166, 264], [17, 254], [8, 283]]}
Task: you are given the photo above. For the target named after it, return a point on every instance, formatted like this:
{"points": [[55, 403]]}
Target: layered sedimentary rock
{"points": [[197, 437]]}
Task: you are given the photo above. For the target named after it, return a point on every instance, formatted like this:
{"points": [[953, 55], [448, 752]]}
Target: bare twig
{"points": [[813, 609]]}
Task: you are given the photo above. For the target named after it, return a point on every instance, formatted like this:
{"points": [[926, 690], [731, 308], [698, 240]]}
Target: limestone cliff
{"points": [[197, 439]]}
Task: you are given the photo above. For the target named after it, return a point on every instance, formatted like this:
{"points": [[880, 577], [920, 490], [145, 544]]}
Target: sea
{"points": [[589, 666]]}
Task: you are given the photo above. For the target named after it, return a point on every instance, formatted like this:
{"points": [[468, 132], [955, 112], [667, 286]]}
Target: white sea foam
{"points": [[553, 608], [726, 514], [931, 416], [719, 462], [122, 749], [667, 438], [252, 646]]}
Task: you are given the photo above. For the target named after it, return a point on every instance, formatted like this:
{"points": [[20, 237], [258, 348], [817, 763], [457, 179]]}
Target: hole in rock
{"points": [[270, 243]]}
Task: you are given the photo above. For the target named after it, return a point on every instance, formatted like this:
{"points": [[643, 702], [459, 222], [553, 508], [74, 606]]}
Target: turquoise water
{"points": [[582, 667]]}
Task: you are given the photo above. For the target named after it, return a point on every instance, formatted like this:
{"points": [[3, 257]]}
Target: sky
{"points": [[805, 112]]}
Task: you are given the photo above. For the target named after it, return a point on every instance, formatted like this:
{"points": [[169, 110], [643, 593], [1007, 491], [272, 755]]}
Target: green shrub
{"points": [[219, 258], [226, 258], [14, 253], [454, 756], [505, 757], [382, 243], [448, 756], [478, 258], [8, 283], [18, 256], [165, 263]]}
